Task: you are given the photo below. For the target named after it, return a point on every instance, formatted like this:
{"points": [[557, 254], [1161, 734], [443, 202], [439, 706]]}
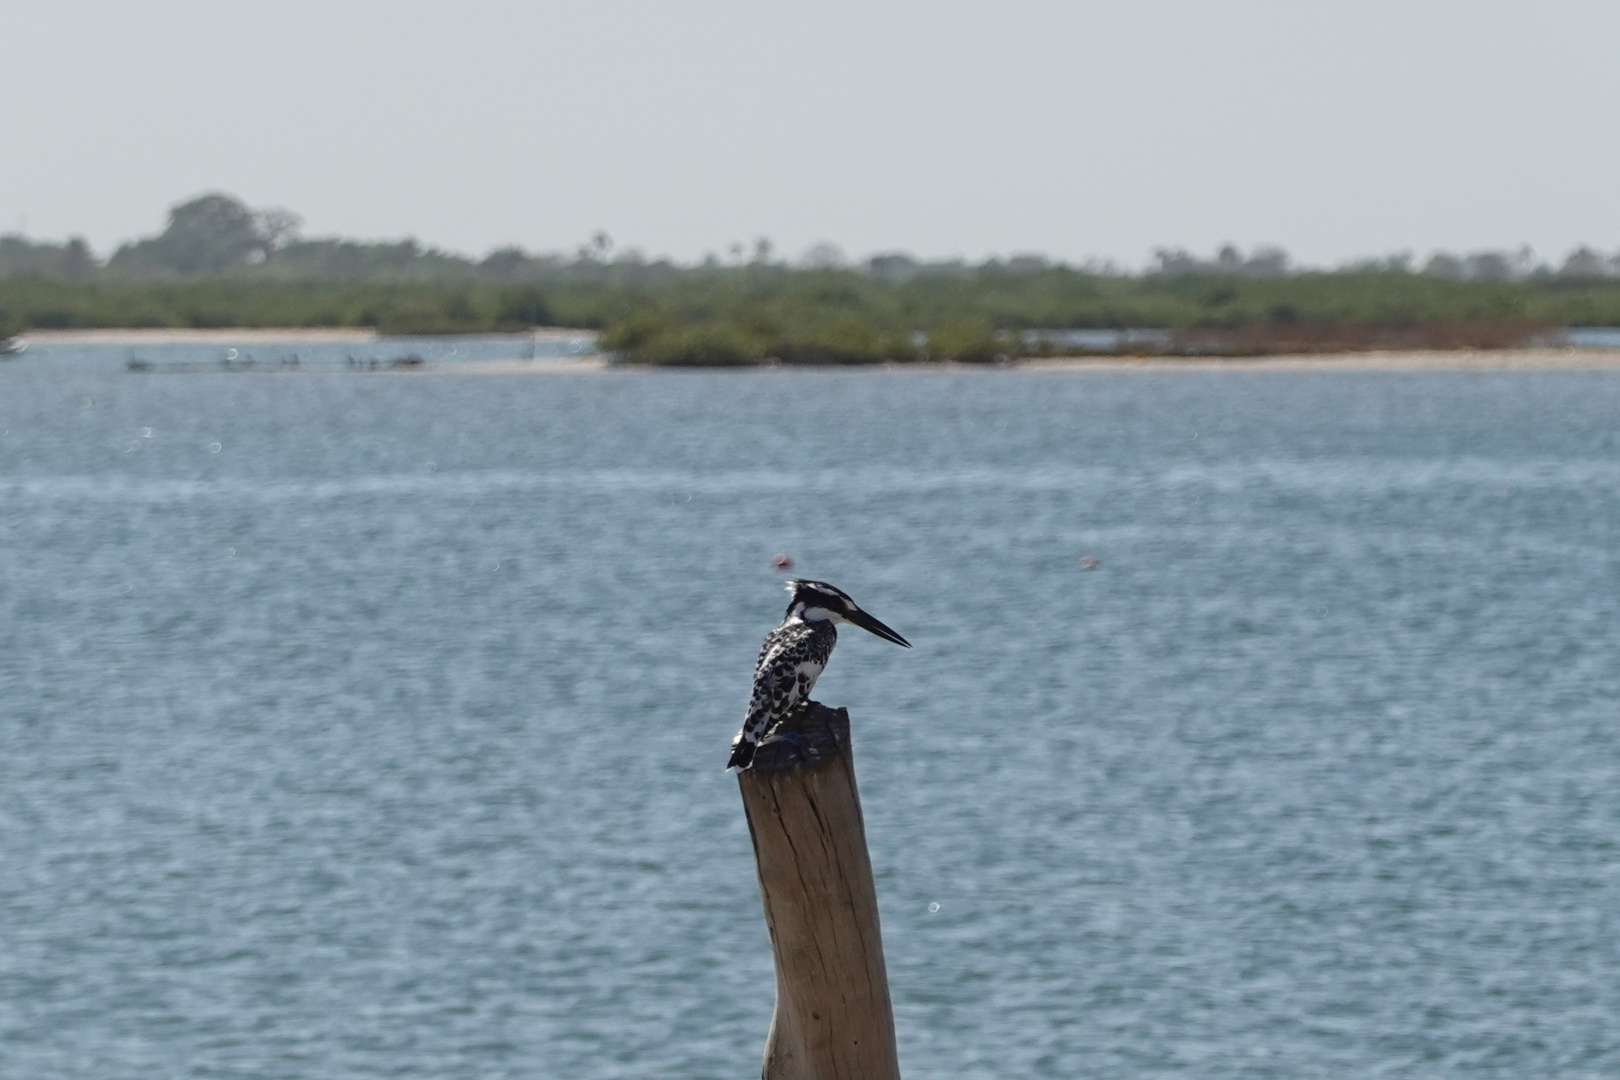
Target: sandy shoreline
{"points": [[543, 366], [1414, 360], [1539, 359], [1479, 360], [256, 336]]}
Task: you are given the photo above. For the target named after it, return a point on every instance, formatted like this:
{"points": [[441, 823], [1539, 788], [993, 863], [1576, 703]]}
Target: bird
{"points": [[794, 655]]}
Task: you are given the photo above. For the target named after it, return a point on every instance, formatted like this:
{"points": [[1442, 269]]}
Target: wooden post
{"points": [[833, 1020]]}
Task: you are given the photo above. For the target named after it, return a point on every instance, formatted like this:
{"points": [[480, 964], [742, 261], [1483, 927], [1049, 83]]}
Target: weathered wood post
{"points": [[833, 1019]]}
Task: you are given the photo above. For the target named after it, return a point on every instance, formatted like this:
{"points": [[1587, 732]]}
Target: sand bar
{"points": [[543, 366], [1409, 360], [335, 335], [1414, 360], [1449, 360], [1543, 359]]}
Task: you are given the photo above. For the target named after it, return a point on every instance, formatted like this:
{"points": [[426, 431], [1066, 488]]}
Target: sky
{"points": [[1075, 129]]}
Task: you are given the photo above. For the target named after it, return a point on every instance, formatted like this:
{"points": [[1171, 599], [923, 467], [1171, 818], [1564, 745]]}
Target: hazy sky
{"points": [[1077, 129]]}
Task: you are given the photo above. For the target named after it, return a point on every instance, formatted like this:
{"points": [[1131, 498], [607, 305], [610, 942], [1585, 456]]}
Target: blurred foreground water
{"points": [[363, 725]]}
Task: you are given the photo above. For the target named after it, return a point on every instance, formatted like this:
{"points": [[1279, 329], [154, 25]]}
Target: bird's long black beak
{"points": [[866, 622]]}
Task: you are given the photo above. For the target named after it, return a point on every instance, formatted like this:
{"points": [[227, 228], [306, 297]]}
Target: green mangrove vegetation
{"points": [[211, 302], [220, 264]]}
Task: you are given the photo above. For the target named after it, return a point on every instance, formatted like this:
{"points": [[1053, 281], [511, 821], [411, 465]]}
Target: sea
{"points": [[359, 721]]}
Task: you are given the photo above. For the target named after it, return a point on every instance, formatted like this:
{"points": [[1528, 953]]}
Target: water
{"points": [[362, 725], [1104, 340], [1593, 337], [259, 356]]}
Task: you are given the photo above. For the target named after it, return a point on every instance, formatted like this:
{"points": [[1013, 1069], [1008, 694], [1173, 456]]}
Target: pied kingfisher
{"points": [[793, 656]]}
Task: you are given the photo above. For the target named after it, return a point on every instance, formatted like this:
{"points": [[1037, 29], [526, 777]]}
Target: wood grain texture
{"points": [[833, 1019]]}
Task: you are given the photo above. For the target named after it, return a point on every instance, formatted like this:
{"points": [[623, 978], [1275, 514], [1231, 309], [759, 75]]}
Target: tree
{"points": [[209, 234], [1583, 262], [822, 256], [276, 228], [598, 250]]}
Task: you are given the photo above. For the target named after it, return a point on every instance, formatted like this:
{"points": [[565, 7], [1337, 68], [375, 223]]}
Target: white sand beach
{"points": [[337, 335], [1434, 360], [1410, 360], [1538, 359]]}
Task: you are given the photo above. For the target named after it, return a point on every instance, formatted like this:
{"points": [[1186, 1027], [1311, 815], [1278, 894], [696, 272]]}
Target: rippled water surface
{"points": [[362, 725]]}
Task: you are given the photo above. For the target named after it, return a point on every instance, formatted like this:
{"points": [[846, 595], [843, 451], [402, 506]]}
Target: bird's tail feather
{"points": [[742, 754]]}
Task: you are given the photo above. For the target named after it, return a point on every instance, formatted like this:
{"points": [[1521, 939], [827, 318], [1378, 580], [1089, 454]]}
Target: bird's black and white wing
{"points": [[789, 663]]}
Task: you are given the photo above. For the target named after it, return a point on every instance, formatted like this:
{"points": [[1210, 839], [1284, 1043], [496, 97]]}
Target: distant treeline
{"points": [[391, 308], [219, 263]]}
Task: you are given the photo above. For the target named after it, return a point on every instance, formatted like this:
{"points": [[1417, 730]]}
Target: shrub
{"points": [[711, 345], [523, 306], [968, 343], [631, 334], [847, 341]]}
